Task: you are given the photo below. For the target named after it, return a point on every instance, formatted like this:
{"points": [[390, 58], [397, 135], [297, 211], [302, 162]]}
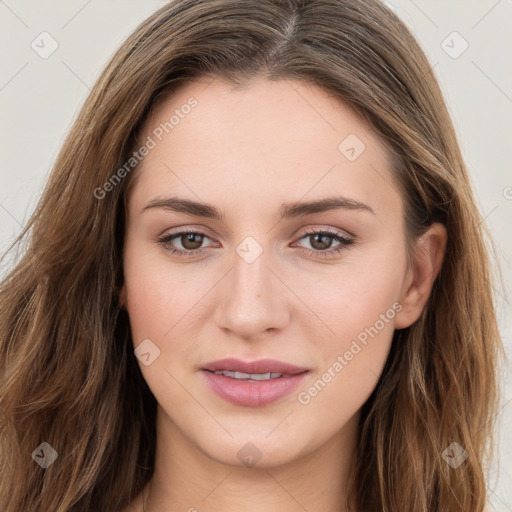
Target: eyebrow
{"points": [[287, 210]]}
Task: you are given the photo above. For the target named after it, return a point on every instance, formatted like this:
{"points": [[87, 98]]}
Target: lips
{"points": [[275, 380], [260, 366]]}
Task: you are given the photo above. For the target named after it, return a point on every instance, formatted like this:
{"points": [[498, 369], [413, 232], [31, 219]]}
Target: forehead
{"points": [[264, 141]]}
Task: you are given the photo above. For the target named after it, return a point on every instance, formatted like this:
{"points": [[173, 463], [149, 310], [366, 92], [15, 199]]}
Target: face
{"points": [[262, 272]]}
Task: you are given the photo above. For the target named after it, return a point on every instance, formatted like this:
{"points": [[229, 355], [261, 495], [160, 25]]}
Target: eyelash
{"points": [[345, 242]]}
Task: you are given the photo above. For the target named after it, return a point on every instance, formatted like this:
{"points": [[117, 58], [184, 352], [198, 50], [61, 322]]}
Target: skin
{"points": [[247, 151]]}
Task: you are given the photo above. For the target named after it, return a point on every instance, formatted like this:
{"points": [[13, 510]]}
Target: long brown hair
{"points": [[68, 375]]}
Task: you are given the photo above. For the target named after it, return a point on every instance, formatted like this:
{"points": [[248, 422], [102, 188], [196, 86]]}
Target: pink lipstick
{"points": [[253, 383]]}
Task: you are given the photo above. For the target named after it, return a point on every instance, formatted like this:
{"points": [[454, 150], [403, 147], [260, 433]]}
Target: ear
{"points": [[427, 259]]}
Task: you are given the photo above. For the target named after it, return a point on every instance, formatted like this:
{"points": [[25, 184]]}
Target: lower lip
{"points": [[252, 394]]}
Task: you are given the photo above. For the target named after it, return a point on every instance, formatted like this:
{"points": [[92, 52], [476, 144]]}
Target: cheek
{"points": [[350, 362], [159, 303], [355, 294], [157, 298], [164, 303], [359, 303]]}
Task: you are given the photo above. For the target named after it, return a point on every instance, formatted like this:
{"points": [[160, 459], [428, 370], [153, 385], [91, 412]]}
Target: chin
{"points": [[256, 450]]}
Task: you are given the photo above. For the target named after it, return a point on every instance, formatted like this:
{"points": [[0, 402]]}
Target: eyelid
{"points": [[202, 230], [344, 238], [332, 231]]}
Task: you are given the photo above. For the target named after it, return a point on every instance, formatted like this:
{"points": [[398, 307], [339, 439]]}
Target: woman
{"points": [[257, 278]]}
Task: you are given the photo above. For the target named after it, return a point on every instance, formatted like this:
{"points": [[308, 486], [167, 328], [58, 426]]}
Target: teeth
{"points": [[248, 376]]}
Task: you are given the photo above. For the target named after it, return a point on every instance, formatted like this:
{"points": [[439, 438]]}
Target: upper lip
{"points": [[260, 366]]}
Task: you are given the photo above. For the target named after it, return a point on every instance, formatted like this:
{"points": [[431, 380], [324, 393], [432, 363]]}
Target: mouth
{"points": [[251, 377], [253, 384]]}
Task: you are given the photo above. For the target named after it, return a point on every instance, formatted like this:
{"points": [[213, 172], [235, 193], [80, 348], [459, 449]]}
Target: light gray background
{"points": [[39, 99]]}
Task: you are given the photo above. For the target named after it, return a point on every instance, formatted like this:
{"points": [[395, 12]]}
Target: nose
{"points": [[254, 300]]}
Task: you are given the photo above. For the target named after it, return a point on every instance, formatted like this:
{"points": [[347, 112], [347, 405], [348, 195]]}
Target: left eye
{"points": [[322, 240], [191, 242]]}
